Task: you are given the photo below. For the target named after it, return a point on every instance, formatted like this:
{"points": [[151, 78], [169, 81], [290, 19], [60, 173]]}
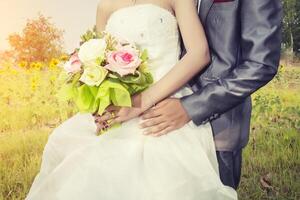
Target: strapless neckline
{"points": [[136, 6], [150, 27]]}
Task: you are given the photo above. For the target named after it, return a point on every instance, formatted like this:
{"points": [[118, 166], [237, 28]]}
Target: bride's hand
{"points": [[116, 114]]}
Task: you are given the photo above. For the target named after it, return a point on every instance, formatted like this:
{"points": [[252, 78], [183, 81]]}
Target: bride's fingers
{"points": [[99, 128], [100, 122], [95, 114], [109, 113], [107, 116], [116, 120], [113, 109], [98, 118]]}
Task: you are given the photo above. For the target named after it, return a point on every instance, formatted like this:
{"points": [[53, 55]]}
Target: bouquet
{"points": [[103, 71]]}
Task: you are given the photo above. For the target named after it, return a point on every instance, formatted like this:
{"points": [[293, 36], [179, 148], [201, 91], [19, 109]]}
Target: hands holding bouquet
{"points": [[104, 74], [115, 115]]}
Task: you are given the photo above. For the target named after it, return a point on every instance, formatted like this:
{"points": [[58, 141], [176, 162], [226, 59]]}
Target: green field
{"points": [[29, 112]]}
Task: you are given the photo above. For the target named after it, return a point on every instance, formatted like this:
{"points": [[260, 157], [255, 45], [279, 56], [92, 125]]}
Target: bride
{"points": [[124, 163]]}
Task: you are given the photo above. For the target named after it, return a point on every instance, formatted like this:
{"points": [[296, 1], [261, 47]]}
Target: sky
{"points": [[73, 16]]}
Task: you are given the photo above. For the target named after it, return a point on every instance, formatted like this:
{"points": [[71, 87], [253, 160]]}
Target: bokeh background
{"points": [[36, 35]]}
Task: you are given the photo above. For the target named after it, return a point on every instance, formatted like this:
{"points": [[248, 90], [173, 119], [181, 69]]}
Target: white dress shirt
{"points": [[198, 5]]}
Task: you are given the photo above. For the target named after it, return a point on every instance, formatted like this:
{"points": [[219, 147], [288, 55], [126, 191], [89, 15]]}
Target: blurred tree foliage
{"points": [[40, 41], [291, 25]]}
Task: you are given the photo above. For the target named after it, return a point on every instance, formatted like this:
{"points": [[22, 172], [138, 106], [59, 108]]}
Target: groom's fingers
{"points": [[163, 132], [152, 122], [155, 129], [162, 103], [152, 113]]}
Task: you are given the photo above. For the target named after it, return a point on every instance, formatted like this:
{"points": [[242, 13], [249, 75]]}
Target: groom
{"points": [[245, 39]]}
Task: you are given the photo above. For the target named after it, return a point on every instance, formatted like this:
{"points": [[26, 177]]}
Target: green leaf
{"points": [[114, 76], [143, 68], [103, 103], [84, 99], [144, 55], [139, 85], [140, 78], [137, 78], [120, 97], [76, 78], [112, 91]]}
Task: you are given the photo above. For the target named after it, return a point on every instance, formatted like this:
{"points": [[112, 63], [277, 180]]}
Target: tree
{"points": [[297, 28], [291, 24], [40, 41]]}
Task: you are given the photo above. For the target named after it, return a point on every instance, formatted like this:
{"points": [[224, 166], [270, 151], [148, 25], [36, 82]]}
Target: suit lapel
{"points": [[204, 9]]}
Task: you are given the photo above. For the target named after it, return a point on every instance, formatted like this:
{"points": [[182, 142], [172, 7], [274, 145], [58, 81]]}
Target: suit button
{"points": [[216, 115]]}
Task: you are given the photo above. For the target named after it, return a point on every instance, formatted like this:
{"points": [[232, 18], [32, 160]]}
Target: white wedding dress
{"points": [[124, 164]]}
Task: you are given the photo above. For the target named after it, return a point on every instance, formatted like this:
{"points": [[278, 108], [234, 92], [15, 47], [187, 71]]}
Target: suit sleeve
{"points": [[261, 22]]}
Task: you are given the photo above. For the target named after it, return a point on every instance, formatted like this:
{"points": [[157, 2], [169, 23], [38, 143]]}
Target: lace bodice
{"points": [[150, 27]]}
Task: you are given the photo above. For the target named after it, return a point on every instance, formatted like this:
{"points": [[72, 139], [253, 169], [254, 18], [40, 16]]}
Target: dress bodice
{"points": [[150, 27]]}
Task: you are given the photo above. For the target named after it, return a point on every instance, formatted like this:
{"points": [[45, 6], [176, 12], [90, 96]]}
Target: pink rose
{"points": [[123, 61], [74, 64]]}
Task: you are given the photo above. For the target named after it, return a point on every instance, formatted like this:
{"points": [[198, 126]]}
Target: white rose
{"points": [[91, 51], [93, 76]]}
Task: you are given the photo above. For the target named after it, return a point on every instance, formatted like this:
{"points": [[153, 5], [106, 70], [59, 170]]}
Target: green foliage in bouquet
{"points": [[114, 88]]}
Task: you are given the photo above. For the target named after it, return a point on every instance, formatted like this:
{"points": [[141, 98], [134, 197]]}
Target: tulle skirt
{"points": [[124, 164]]}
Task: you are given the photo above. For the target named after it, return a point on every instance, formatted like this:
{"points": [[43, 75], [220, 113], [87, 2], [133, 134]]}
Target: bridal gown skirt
{"points": [[124, 164]]}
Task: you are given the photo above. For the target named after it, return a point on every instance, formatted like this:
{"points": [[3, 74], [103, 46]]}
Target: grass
{"points": [[20, 159], [30, 111], [272, 158]]}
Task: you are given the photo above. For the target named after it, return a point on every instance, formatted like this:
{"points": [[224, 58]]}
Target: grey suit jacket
{"points": [[245, 41]]}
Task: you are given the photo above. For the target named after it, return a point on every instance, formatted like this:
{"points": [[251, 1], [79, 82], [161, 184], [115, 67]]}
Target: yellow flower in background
{"points": [[32, 65], [53, 63], [36, 65], [23, 64]]}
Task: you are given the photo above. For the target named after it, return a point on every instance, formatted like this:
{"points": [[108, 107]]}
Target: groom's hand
{"points": [[165, 117]]}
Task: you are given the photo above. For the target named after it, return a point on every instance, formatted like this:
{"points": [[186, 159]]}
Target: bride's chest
{"points": [[142, 24]]}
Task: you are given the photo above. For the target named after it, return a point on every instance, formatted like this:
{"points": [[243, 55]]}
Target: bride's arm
{"points": [[103, 12], [195, 59]]}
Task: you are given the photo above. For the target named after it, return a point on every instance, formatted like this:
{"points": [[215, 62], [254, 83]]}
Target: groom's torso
{"points": [[221, 21]]}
